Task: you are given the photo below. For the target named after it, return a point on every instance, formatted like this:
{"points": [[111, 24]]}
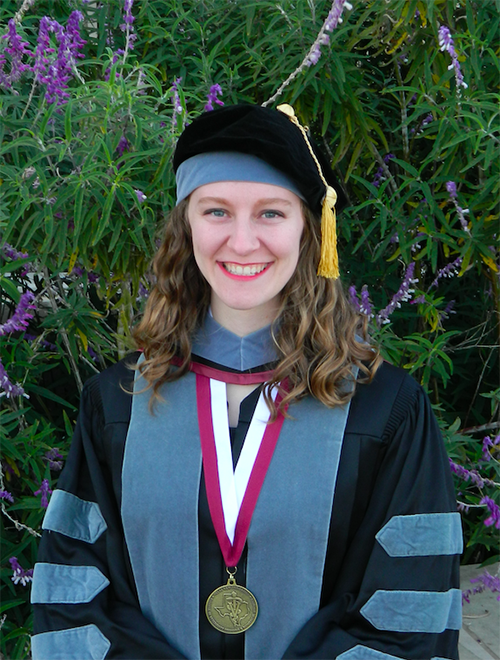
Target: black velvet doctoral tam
{"points": [[269, 135]]}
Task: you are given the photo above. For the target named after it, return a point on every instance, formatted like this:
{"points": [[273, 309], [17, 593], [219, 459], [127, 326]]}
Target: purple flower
{"points": [[379, 174], [335, 15], [213, 92], [78, 271], [402, 294], [332, 20], [449, 309], [19, 574], [141, 197], [9, 388], [16, 49], [176, 100], [451, 187], [44, 491], [364, 306], [449, 270], [52, 457], [21, 317], [471, 475], [446, 44], [123, 146], [12, 253], [314, 54], [5, 495], [419, 300], [353, 296], [44, 343], [92, 354], [55, 71], [494, 509], [93, 278], [487, 581], [116, 56], [487, 443], [143, 292], [126, 26]]}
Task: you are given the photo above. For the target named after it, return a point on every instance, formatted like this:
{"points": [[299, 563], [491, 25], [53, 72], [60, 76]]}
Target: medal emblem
{"points": [[231, 609]]}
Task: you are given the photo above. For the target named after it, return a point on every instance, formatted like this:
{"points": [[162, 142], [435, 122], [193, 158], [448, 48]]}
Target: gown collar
{"points": [[215, 343]]}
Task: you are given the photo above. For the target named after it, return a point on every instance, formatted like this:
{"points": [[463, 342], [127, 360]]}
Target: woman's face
{"points": [[246, 240]]}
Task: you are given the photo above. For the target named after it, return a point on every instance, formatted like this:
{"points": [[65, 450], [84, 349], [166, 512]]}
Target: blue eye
{"points": [[217, 213], [272, 214]]}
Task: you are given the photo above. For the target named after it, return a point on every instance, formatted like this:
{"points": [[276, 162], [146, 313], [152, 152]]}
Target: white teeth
{"points": [[244, 270]]}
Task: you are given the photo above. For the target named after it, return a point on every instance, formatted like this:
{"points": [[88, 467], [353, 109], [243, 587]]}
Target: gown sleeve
{"points": [[395, 593], [84, 597]]}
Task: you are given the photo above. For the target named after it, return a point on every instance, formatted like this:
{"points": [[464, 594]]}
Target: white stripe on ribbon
{"points": [[233, 483]]}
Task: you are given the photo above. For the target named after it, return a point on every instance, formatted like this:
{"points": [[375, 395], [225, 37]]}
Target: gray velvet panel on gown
{"points": [[161, 477], [289, 531]]}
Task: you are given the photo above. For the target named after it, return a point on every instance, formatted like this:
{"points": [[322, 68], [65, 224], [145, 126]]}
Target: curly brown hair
{"points": [[318, 334]]}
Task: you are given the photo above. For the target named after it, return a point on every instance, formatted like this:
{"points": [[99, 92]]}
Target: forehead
{"points": [[243, 192]]}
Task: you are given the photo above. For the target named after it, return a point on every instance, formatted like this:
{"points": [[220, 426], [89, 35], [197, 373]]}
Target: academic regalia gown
{"points": [[388, 583]]}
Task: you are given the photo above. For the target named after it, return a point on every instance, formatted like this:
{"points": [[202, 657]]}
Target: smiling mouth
{"points": [[245, 271]]}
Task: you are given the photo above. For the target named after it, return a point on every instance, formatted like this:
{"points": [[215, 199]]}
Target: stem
{"points": [[19, 526], [63, 332], [30, 98], [484, 427], [404, 116], [383, 165]]}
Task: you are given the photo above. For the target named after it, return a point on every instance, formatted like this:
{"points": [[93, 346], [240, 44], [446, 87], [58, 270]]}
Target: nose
{"points": [[243, 237]]}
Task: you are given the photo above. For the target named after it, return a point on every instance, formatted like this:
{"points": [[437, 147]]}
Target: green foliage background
{"points": [[382, 86]]}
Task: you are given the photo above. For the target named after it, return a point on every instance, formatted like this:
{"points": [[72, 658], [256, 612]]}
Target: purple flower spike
{"points": [[21, 317], [487, 581], [379, 174], [52, 457], [494, 509], [19, 574], [353, 296], [402, 294], [487, 443], [470, 475], [333, 19], [44, 491], [122, 146], [214, 91], [365, 307], [176, 101], [451, 187], [9, 388], [16, 48], [12, 253], [448, 271], [446, 45], [5, 495], [141, 197]]}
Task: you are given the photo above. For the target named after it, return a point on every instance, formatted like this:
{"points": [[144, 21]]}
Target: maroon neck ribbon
{"points": [[231, 552]]}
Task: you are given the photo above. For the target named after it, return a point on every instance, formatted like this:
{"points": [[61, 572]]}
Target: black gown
{"points": [[393, 465]]}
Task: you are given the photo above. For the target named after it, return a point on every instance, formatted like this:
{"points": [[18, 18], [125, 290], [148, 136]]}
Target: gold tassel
{"points": [[329, 261]]}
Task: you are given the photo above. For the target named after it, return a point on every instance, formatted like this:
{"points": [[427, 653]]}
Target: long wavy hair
{"points": [[319, 336]]}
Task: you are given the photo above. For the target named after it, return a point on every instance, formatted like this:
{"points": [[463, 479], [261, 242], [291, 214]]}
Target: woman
{"points": [[270, 489]]}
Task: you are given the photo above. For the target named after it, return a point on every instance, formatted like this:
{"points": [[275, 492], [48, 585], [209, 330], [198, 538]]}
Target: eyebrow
{"points": [[221, 200]]}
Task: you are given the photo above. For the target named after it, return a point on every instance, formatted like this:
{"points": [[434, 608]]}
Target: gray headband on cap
{"points": [[228, 166]]}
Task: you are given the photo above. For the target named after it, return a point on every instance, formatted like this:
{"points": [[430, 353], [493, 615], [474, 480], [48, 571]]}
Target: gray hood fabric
{"points": [[215, 343]]}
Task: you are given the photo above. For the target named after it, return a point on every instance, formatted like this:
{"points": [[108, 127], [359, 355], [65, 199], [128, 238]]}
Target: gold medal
{"points": [[231, 609]]}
